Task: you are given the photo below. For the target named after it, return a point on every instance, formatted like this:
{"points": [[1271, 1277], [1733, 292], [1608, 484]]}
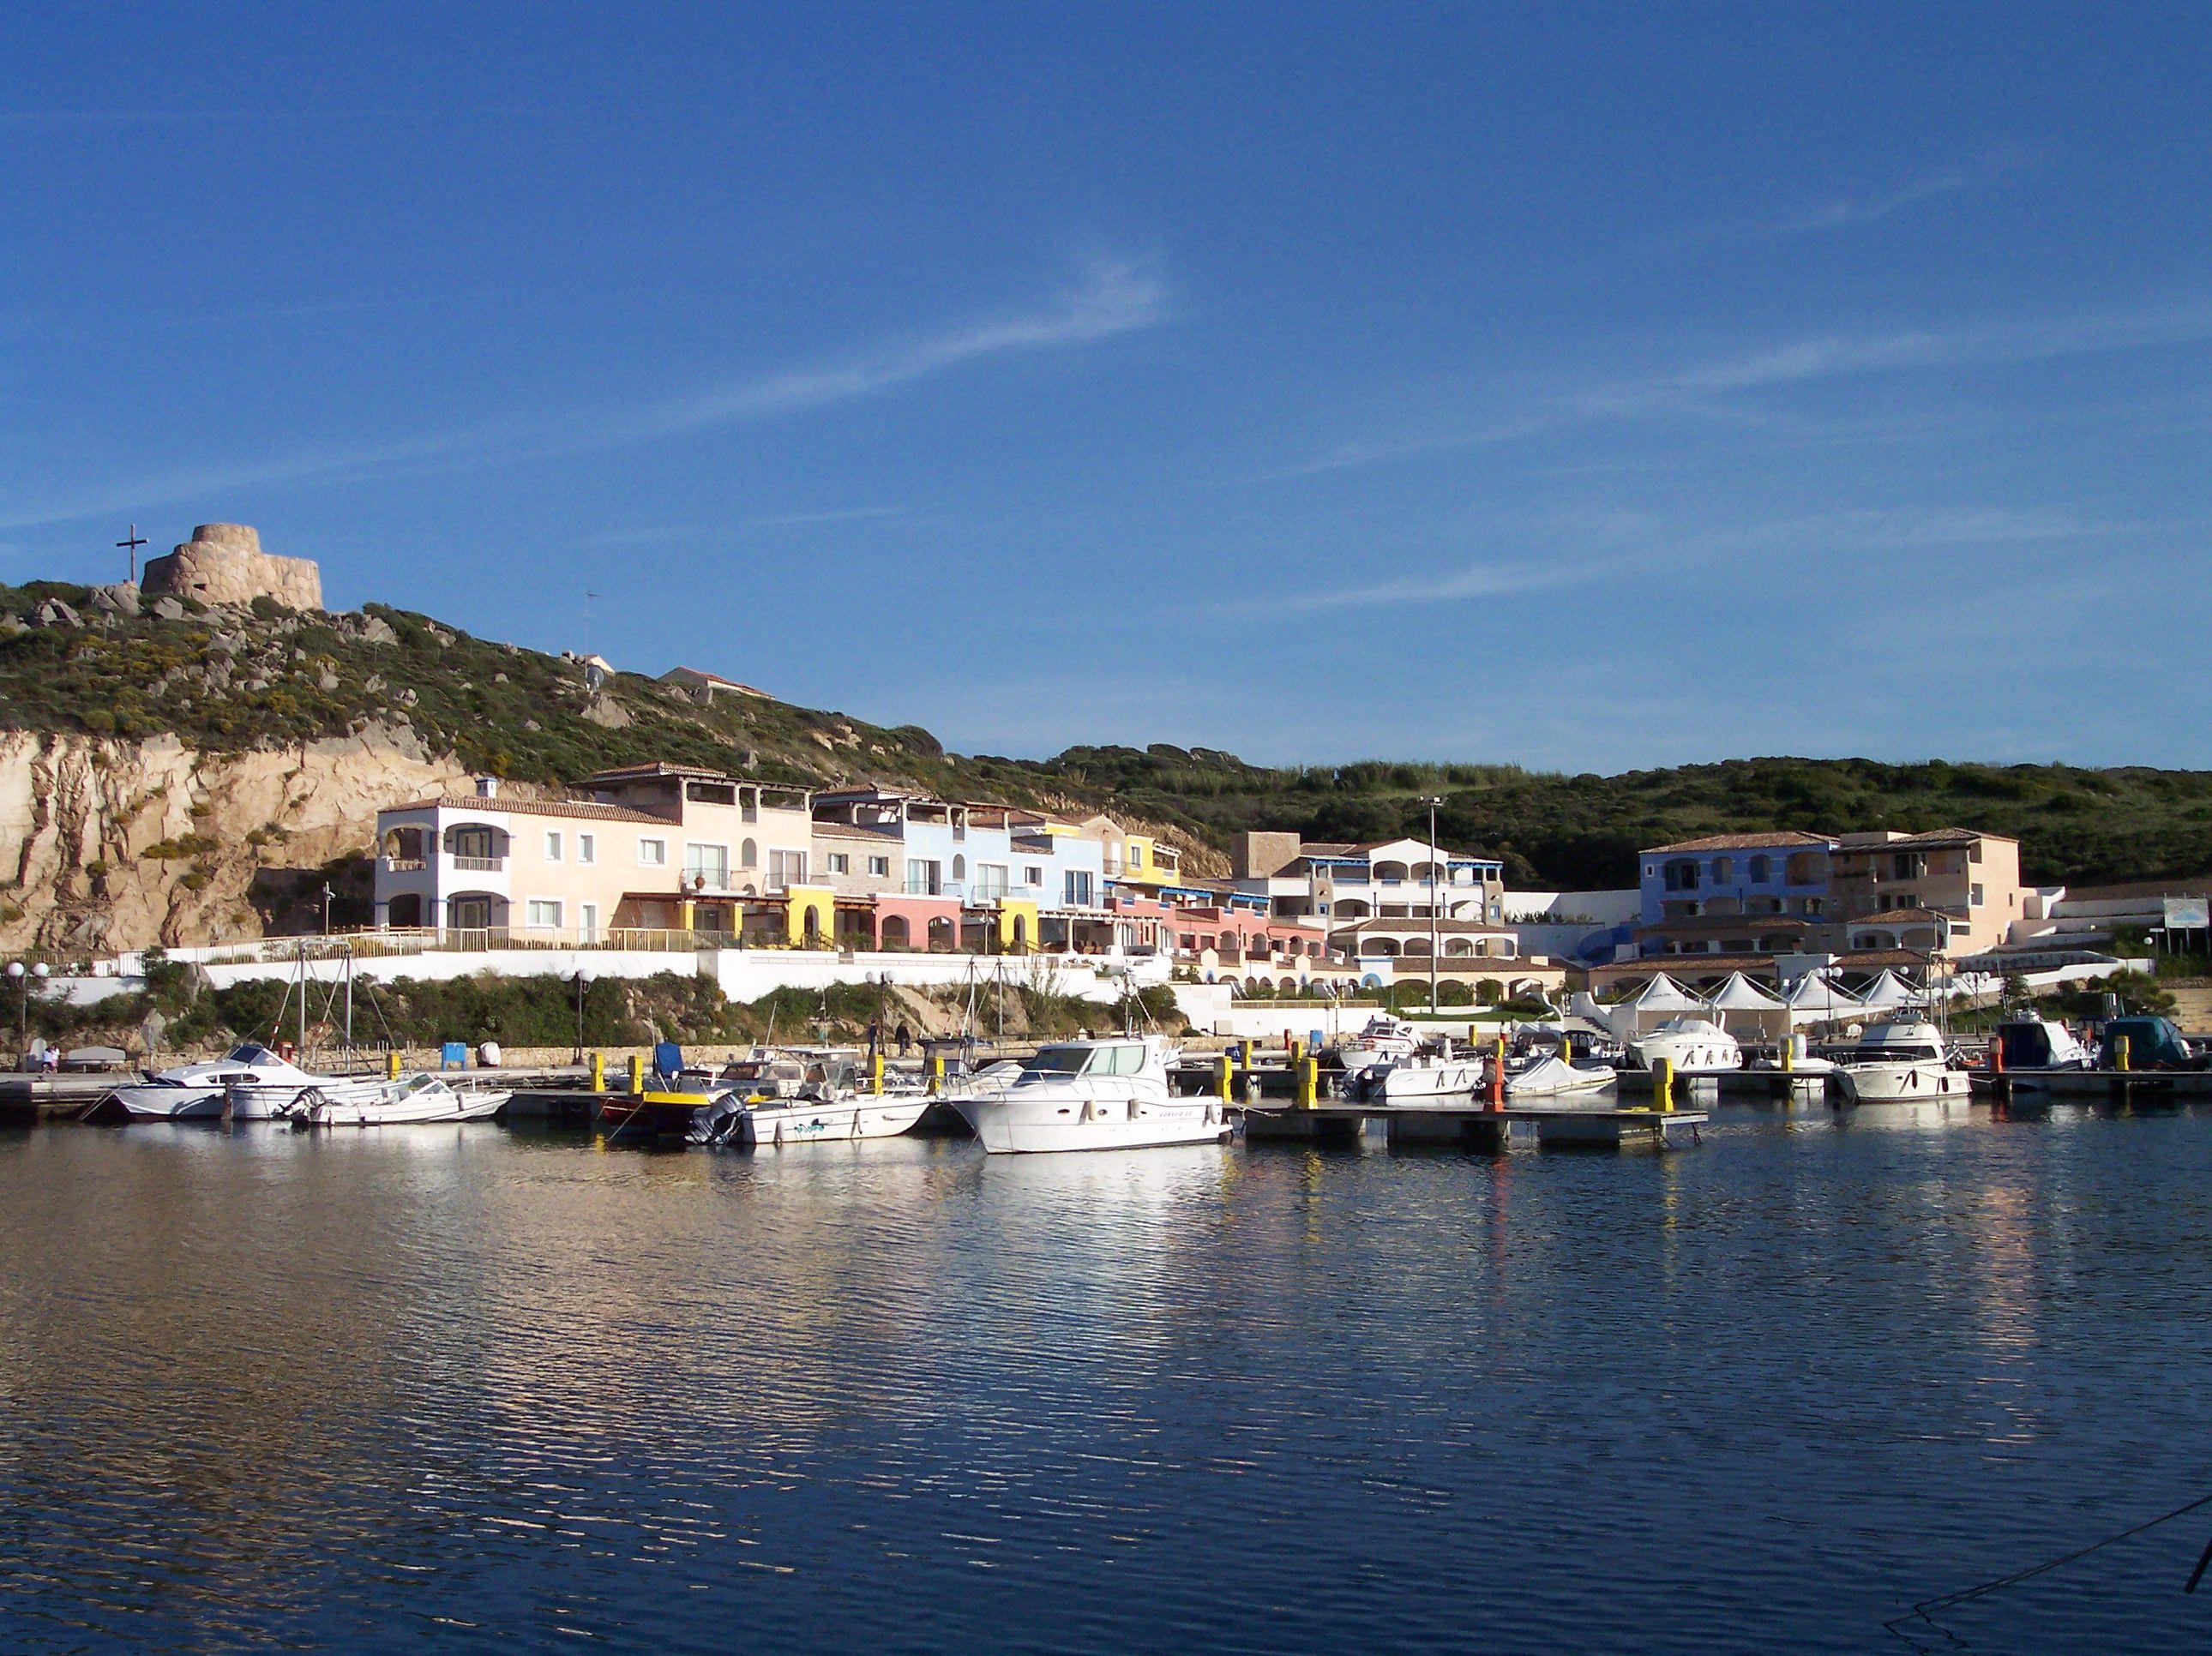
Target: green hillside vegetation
{"points": [[224, 681], [1579, 832]]}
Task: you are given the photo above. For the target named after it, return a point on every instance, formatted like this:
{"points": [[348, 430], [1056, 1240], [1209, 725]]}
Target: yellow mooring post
{"points": [[1474, 1034], [1789, 1054], [1567, 1049], [598, 1072], [1309, 1083], [637, 1074], [1221, 1081], [1662, 1085], [876, 1075], [2120, 1053], [391, 1065], [936, 1074]]}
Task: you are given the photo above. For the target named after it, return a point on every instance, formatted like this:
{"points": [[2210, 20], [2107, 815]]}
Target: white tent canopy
{"points": [[1817, 998], [1742, 1008], [1662, 998], [1887, 992], [1740, 994]]}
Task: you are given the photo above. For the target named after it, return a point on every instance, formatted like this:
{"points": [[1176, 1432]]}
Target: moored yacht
{"points": [[1109, 1095], [1554, 1077], [1425, 1075], [201, 1092], [1385, 1040], [1898, 1060], [1694, 1047]]}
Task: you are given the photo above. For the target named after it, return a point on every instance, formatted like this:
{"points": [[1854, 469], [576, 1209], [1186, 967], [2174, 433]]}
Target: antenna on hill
{"points": [[588, 598], [131, 546]]}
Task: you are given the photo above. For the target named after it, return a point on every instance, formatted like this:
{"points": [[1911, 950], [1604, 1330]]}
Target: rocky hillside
{"points": [[173, 771]]}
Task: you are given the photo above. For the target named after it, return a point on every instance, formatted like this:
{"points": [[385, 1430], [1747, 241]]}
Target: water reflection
{"points": [[375, 1390]]}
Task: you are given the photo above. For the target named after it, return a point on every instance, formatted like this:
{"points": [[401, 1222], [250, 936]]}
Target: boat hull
{"points": [[841, 1121], [171, 1103], [1011, 1124], [1399, 1083], [1904, 1081], [402, 1112]]}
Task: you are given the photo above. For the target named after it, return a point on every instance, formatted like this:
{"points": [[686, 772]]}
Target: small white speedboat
{"points": [[1092, 1095], [201, 1092], [416, 1099], [1422, 1077], [284, 1093], [841, 1120], [1555, 1078]]}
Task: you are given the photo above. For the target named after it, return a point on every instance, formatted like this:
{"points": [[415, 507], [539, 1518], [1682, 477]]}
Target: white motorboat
{"points": [[1898, 1061], [288, 1090], [841, 1120], [1804, 1060], [1110, 1095], [1385, 1040], [1692, 1046], [199, 1092], [419, 1098], [1554, 1077], [1411, 1080]]}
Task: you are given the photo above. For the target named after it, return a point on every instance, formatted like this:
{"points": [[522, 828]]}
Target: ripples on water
{"points": [[463, 1388]]}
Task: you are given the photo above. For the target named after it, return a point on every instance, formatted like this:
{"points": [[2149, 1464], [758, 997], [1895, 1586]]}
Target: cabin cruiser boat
{"points": [[419, 1098], [2028, 1042], [734, 1119], [200, 1092], [1692, 1046], [1385, 1040], [1554, 1077], [1424, 1074], [1106, 1094], [1900, 1060]]}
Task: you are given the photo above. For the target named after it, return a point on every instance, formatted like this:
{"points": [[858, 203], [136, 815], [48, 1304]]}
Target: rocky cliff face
{"points": [[111, 843]]}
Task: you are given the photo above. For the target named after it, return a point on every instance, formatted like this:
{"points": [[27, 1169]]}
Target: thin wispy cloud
{"points": [[1109, 299], [1728, 388], [1840, 212]]}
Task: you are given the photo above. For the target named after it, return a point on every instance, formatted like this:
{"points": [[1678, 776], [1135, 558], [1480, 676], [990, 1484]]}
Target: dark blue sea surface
{"points": [[470, 1388]]}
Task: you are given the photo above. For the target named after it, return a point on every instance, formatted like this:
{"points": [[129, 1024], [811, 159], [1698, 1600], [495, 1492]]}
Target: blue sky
{"points": [[1592, 388]]}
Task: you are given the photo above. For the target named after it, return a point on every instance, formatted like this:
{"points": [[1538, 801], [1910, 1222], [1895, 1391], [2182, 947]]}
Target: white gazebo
{"points": [[1742, 1008]]}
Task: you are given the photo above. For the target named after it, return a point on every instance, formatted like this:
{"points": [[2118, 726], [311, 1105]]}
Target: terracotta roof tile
{"points": [[1775, 842]]}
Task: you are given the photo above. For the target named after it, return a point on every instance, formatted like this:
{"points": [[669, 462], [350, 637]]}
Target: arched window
{"points": [[959, 868], [749, 855], [1761, 870]]}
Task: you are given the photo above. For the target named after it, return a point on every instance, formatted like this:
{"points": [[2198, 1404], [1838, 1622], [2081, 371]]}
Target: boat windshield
{"points": [[251, 1053], [1060, 1061], [1118, 1060]]}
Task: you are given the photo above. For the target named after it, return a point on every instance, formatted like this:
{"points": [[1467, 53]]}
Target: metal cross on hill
{"points": [[132, 545]]}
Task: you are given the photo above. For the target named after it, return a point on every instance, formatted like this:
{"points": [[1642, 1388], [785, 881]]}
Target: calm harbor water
{"points": [[470, 1388]]}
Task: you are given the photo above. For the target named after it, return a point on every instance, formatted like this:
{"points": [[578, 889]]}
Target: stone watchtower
{"points": [[224, 563]]}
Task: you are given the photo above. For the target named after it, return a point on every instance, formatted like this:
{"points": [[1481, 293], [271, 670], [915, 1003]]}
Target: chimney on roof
{"points": [[487, 787]]}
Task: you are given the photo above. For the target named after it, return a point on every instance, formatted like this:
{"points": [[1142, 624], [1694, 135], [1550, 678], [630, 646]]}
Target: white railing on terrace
{"points": [[405, 864], [480, 864]]}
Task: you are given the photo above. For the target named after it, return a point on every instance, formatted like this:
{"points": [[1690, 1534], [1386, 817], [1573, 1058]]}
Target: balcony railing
{"points": [[480, 864], [405, 864]]}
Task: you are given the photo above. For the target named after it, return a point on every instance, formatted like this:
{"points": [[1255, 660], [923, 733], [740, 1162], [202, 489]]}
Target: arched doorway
{"points": [[896, 933], [941, 936], [406, 910]]}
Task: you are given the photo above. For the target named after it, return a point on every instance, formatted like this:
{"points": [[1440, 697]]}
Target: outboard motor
{"points": [[728, 1121]]}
